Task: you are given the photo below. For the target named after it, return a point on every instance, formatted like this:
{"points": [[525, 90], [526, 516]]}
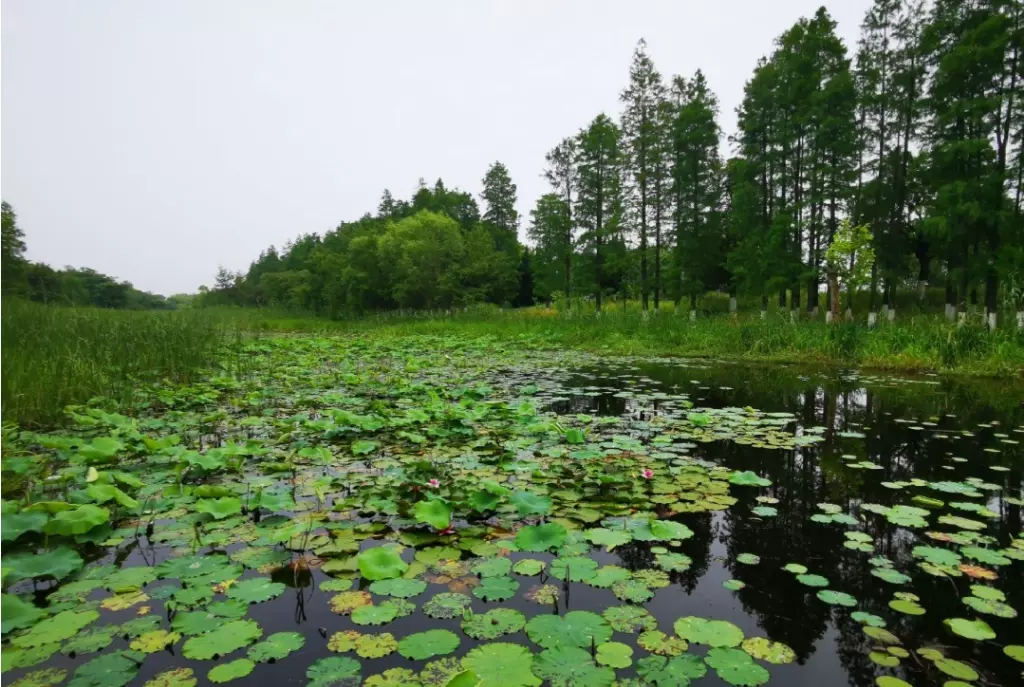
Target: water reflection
{"points": [[897, 430]]}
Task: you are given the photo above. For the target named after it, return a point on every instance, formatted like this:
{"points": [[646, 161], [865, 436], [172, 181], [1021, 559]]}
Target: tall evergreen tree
{"points": [[696, 188], [499, 195], [562, 174], [550, 232], [598, 201], [643, 138]]}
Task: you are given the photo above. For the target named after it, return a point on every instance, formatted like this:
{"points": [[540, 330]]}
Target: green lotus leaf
{"points": [[906, 606], [494, 623], [1014, 651], [609, 539], [748, 559], [58, 564], [576, 629], [986, 556], [890, 575], [222, 640], [835, 598], [528, 567], [225, 672], [104, 493], [528, 503], [746, 478], [436, 513], [812, 580], [221, 508], [17, 613], [374, 615], [716, 633], [629, 619], [91, 641], [669, 530], [334, 670], [47, 677], [766, 650], [493, 566], [671, 672], [868, 619], [447, 605], [423, 645], [573, 569], [568, 665], [956, 669], [880, 634], [632, 591], [256, 590], [971, 629], [884, 659], [381, 563], [673, 562], [936, 555], [496, 588], [14, 525], [538, 538], [375, 645], [154, 641], [889, 681], [362, 447], [276, 646], [657, 642], [736, 667], [614, 655], [795, 568], [56, 628], [107, 670]]}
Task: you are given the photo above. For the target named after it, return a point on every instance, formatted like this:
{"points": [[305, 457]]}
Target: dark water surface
{"points": [[933, 429]]}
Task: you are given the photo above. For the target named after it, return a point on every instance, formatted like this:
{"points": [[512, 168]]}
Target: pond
{"points": [[438, 510]]}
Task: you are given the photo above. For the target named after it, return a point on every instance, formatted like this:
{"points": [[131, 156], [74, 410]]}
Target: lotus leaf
{"points": [[501, 665], [276, 646], [222, 640], [381, 563], [494, 623], [567, 665]]}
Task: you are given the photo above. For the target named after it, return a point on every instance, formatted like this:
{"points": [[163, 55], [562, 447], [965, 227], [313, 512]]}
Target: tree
{"points": [[965, 42], [13, 249], [424, 253], [549, 231], [696, 187], [642, 139], [500, 197], [598, 201], [849, 260], [562, 174]]}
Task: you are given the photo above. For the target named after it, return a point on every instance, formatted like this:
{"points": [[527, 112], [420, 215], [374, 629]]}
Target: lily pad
{"points": [[232, 670], [423, 645], [501, 665]]}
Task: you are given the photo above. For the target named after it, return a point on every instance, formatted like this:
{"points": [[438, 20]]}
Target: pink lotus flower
{"points": [[647, 473], [433, 484]]}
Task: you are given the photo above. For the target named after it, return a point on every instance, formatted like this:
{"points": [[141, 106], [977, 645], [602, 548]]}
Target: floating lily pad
{"points": [[494, 623], [501, 665], [576, 628], [232, 670]]}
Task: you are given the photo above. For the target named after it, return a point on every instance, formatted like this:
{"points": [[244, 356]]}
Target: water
{"points": [[926, 428]]}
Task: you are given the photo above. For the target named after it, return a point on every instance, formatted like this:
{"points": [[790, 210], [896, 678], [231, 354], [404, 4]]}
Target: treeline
{"points": [[916, 136], [436, 250], [41, 283]]}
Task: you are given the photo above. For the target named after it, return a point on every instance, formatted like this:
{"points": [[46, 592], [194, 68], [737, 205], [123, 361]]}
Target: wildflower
{"points": [[647, 473], [433, 484]]}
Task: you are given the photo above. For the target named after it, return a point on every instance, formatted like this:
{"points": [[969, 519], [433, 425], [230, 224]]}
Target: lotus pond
{"points": [[453, 511]]}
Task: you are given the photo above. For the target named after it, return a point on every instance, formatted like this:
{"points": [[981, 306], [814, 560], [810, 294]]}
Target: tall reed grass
{"points": [[51, 357]]}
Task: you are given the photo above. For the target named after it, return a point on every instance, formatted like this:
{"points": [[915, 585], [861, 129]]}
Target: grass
{"points": [[54, 356], [913, 343]]}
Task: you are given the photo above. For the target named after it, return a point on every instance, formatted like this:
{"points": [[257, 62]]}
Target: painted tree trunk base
{"points": [[872, 319], [828, 317], [922, 289], [1020, 319], [950, 312], [693, 316], [891, 315], [793, 316], [992, 319], [732, 305], [961, 318], [764, 314], [885, 310], [848, 316]]}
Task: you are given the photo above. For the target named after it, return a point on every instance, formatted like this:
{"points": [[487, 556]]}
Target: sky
{"points": [[156, 140]]}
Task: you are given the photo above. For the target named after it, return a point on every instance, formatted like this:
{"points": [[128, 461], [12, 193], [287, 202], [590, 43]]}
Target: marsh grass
{"points": [[56, 356], [922, 342]]}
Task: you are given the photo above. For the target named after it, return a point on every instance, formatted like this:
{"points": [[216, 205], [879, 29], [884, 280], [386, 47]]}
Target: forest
{"points": [[40, 283], [914, 134]]}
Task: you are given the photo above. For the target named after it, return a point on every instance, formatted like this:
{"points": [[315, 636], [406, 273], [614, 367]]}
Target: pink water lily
{"points": [[647, 473], [433, 484]]}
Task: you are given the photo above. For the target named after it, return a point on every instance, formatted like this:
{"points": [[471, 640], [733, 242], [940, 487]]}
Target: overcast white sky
{"points": [[154, 140]]}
